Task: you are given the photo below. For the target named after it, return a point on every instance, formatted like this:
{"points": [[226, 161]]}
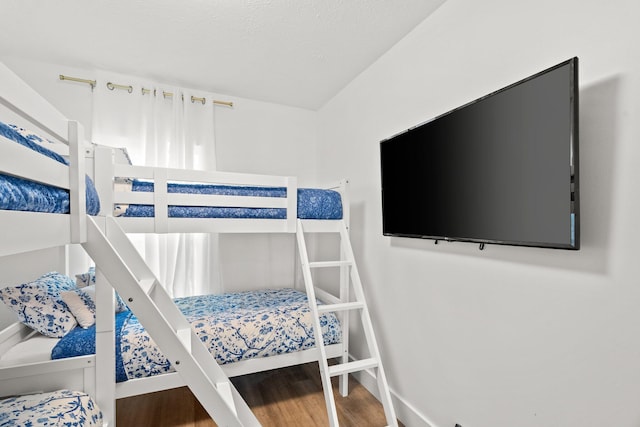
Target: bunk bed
{"points": [[126, 199]]}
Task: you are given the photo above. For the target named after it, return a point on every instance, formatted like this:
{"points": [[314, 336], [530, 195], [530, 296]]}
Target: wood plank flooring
{"points": [[283, 397]]}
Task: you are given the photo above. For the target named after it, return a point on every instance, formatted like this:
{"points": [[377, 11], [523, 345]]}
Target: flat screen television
{"points": [[501, 169]]}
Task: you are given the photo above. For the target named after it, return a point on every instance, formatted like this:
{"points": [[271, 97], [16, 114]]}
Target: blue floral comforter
{"points": [[312, 203], [234, 326], [58, 408], [23, 195]]}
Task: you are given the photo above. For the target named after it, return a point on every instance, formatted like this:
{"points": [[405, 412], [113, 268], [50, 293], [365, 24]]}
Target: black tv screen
{"points": [[501, 169]]}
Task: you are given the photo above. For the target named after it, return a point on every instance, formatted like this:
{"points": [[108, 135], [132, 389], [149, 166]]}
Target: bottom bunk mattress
{"points": [[233, 327], [58, 408]]}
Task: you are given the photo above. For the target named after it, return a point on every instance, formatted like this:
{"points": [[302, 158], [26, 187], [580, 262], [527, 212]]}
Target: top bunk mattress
{"points": [[312, 203], [20, 194]]}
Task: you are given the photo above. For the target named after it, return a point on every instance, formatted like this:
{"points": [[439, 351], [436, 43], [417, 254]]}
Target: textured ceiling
{"points": [[292, 52]]}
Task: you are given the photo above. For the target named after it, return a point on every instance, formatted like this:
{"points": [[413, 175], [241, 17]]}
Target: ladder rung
{"points": [[343, 306], [346, 368], [320, 226], [321, 264]]}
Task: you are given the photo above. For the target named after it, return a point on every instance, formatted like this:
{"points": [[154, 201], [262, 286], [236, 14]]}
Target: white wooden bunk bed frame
{"points": [[118, 264]]}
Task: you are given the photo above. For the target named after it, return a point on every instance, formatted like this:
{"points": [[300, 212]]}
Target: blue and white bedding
{"points": [[58, 408], [24, 195], [234, 327], [312, 203]]}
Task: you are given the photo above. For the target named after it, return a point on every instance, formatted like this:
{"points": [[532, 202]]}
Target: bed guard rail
{"points": [[110, 179]]}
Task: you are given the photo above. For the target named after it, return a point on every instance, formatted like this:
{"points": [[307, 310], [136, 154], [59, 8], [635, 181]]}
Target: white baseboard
{"points": [[406, 413]]}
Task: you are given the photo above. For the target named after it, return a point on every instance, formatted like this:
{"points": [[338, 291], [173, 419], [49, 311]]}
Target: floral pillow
{"points": [[82, 303], [39, 305]]}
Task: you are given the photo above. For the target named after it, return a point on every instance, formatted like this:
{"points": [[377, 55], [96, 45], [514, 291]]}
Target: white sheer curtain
{"points": [[163, 127]]}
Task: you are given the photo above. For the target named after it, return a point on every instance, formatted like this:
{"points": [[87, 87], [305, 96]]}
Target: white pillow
{"points": [[82, 303]]}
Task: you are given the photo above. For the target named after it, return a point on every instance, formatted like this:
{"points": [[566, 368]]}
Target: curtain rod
{"points": [[129, 88]]}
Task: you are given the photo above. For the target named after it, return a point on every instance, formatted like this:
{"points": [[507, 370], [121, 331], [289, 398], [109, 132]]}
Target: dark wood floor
{"points": [[284, 397]]}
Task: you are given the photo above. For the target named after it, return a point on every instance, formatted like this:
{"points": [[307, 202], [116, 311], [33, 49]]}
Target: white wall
{"points": [[509, 336], [252, 137]]}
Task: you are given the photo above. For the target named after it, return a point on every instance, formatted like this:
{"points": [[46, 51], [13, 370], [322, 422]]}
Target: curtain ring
{"points": [[146, 91], [194, 99], [112, 86]]}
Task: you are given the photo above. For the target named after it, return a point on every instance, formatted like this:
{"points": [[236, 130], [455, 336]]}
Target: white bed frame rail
{"points": [[12, 335], [105, 171], [77, 373]]}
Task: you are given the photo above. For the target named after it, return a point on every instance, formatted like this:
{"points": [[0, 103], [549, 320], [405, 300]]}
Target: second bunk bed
{"points": [[108, 355]]}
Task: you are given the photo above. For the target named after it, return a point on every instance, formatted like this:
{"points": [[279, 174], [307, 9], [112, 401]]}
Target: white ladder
{"points": [[124, 268], [335, 304]]}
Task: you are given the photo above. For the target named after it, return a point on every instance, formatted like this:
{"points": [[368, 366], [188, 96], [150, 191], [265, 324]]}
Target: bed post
{"points": [[343, 189], [103, 178], [160, 203], [105, 345], [292, 203], [77, 188], [343, 380]]}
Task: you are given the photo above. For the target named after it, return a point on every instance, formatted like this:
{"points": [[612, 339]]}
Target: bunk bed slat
{"points": [[206, 225], [21, 161], [185, 175], [14, 225], [178, 199]]}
